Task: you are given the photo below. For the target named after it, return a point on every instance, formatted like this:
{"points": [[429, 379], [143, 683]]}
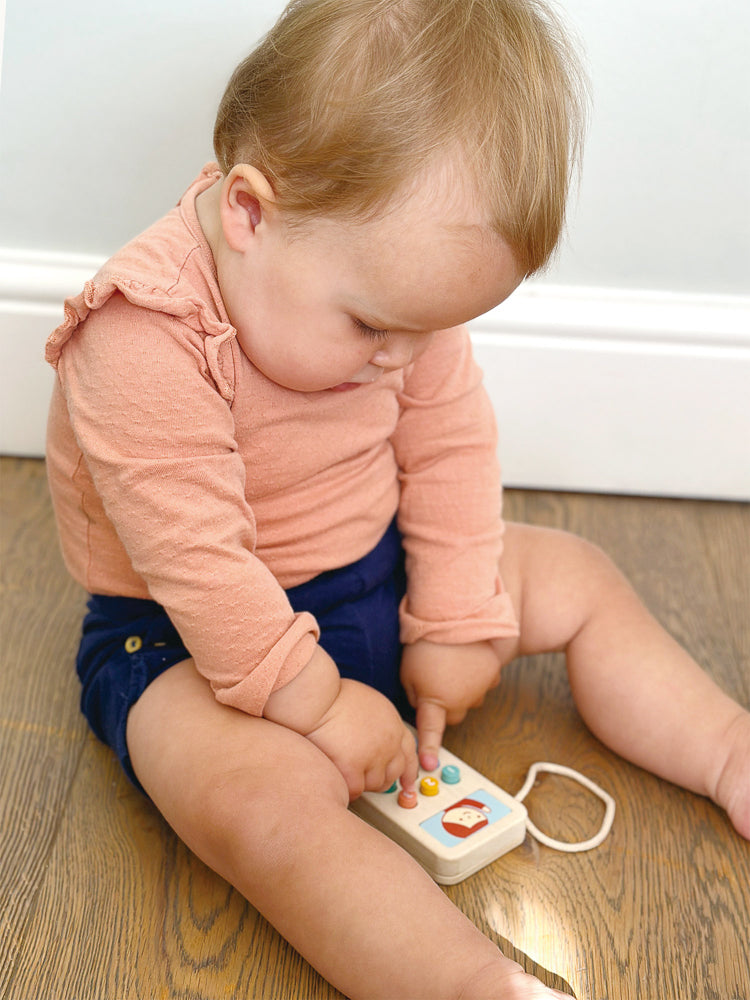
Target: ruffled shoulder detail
{"points": [[165, 270], [190, 309]]}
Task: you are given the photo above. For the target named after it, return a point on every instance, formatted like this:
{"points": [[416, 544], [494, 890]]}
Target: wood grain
{"points": [[41, 732], [100, 901]]}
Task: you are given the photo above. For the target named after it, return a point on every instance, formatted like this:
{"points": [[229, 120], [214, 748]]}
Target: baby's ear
{"points": [[247, 201]]}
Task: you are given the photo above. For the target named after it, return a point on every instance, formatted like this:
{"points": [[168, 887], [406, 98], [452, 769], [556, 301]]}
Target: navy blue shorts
{"points": [[128, 642]]}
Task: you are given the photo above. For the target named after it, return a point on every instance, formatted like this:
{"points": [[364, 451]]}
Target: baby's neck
{"points": [[207, 209]]}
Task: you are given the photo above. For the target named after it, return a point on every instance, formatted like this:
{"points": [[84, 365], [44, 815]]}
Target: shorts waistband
{"points": [[337, 586]]}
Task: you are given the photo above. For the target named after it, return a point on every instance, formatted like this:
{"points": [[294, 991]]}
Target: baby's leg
{"points": [[268, 811], [635, 687]]}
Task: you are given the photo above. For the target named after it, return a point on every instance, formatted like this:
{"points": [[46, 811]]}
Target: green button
{"points": [[451, 774]]}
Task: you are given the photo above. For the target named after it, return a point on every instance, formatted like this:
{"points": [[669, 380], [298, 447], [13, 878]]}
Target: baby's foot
{"points": [[506, 980], [733, 786]]}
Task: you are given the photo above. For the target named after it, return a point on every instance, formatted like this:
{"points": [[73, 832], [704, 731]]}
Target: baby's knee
{"points": [[594, 580], [535, 554], [264, 803], [558, 582]]}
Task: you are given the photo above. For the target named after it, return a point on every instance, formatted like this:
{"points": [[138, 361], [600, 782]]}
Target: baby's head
{"points": [[346, 104]]}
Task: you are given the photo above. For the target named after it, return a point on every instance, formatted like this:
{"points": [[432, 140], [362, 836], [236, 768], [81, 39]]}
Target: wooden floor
{"points": [[99, 901]]}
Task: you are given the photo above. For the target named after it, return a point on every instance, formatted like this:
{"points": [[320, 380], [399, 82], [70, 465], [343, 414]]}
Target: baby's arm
{"points": [[159, 442], [449, 517], [354, 725]]}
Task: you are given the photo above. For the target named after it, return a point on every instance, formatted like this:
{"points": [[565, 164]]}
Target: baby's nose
{"points": [[398, 352]]}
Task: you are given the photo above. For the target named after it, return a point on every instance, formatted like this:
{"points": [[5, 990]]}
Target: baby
{"points": [[273, 468]]}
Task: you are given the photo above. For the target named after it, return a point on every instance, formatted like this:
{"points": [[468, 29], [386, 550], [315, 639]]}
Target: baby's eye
{"points": [[369, 331]]}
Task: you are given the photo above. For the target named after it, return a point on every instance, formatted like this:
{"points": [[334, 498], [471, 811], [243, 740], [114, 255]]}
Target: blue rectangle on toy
{"points": [[470, 814]]}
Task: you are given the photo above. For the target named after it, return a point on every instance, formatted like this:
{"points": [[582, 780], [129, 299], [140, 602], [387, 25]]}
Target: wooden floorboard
{"points": [[100, 901]]}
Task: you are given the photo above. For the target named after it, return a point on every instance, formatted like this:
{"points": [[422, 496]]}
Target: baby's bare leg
{"points": [[635, 687], [268, 811]]}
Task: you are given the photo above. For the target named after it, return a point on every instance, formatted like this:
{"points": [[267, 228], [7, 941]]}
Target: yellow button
{"points": [[429, 786], [133, 643]]}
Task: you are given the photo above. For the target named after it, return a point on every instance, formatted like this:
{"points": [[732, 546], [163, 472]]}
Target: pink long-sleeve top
{"points": [[180, 473]]}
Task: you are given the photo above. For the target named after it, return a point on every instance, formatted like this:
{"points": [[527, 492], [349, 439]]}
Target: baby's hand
{"points": [[362, 733], [443, 682]]}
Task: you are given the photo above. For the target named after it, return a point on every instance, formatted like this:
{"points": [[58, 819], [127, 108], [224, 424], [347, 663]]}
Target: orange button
{"points": [[407, 800], [429, 786]]}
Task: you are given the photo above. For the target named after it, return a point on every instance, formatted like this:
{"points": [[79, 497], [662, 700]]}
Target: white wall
{"points": [[106, 114], [107, 110], [665, 200]]}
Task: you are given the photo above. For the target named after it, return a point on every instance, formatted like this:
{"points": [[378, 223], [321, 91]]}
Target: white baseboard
{"points": [[603, 390], [620, 391], [32, 289]]}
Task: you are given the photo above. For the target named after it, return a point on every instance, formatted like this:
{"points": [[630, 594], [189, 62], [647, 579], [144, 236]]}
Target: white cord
{"points": [[560, 845]]}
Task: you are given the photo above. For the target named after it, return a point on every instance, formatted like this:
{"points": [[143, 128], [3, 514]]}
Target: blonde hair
{"points": [[344, 101]]}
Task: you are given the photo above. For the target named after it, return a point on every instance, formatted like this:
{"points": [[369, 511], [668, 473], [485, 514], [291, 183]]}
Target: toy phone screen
{"points": [[452, 825]]}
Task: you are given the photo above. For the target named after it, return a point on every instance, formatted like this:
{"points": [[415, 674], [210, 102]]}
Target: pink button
{"points": [[407, 800]]}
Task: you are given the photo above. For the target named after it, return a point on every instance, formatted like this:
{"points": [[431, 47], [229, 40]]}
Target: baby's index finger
{"points": [[410, 775], [430, 728]]}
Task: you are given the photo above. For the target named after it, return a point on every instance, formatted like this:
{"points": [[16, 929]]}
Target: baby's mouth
{"points": [[347, 386]]}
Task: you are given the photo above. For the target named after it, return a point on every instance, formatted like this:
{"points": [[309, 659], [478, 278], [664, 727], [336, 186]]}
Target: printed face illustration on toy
{"points": [[465, 817]]}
